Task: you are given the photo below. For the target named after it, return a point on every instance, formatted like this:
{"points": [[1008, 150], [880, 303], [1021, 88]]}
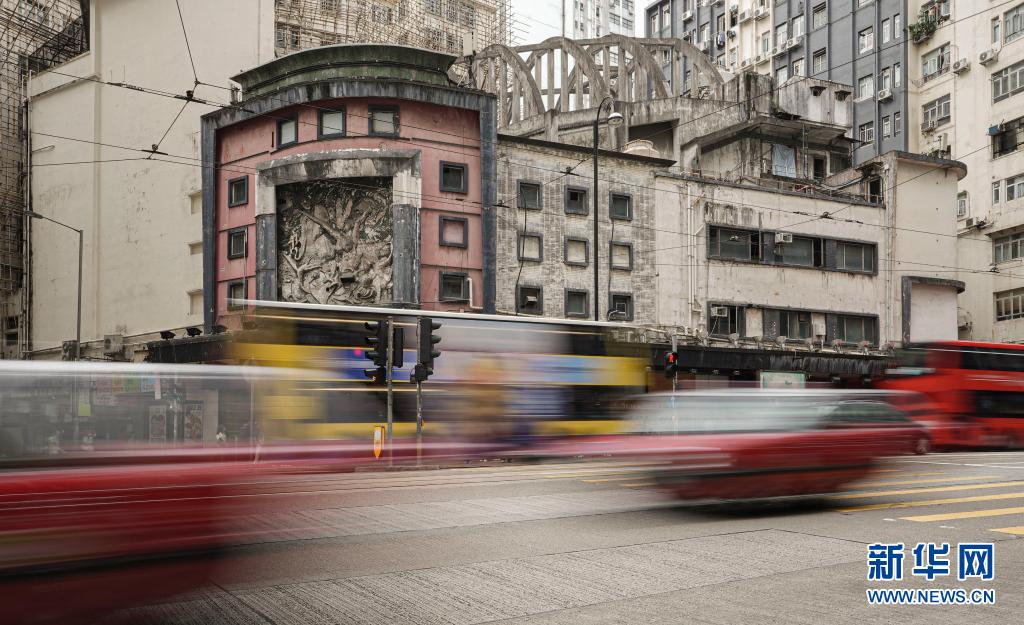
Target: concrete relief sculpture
{"points": [[335, 241]]}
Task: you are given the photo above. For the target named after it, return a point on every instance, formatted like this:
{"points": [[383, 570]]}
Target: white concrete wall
{"points": [[138, 216], [932, 313]]}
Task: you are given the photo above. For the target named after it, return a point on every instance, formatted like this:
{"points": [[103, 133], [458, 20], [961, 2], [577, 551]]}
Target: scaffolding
{"points": [[458, 27], [34, 35]]}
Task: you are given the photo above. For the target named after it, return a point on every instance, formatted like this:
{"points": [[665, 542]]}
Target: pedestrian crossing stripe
{"points": [[971, 514], [931, 502]]}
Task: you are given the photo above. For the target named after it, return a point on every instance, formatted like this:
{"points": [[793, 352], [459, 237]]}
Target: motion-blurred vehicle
{"points": [[751, 443], [976, 389]]}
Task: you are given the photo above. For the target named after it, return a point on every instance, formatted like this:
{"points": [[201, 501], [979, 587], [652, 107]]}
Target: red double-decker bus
{"points": [[977, 391]]}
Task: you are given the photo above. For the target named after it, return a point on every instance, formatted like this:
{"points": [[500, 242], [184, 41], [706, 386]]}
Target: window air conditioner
{"points": [[884, 95], [988, 56], [961, 66], [719, 311], [783, 237]]}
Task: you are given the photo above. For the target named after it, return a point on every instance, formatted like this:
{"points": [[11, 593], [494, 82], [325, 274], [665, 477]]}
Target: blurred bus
{"points": [[977, 390], [497, 376]]}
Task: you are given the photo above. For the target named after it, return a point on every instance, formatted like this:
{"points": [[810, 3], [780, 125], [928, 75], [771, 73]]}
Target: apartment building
{"points": [[862, 43], [585, 19]]}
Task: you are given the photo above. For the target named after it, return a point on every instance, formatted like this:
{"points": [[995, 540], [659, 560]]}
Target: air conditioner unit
{"points": [[113, 344], [760, 12], [794, 42], [717, 2], [734, 8], [744, 16], [745, 63], [961, 66], [929, 125], [719, 311], [975, 222], [732, 32], [687, 15], [783, 237], [988, 56], [760, 58], [779, 51], [884, 95], [994, 130]]}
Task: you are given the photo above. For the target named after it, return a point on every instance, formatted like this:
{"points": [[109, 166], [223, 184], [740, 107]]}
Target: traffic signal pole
{"points": [[390, 380]]}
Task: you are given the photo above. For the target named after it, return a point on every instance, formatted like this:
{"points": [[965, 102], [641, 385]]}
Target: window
{"points": [[1015, 187], [866, 40], [454, 287], [332, 124], [886, 31], [621, 255], [897, 26], [1009, 247], [734, 244], [798, 67], [454, 231], [838, 162], [886, 127], [897, 75], [705, 33], [1013, 23], [1009, 138], [866, 87], [995, 30], [1010, 304], [1008, 82], [236, 293], [795, 324], [528, 195], [238, 191], [866, 133], [935, 63], [531, 247], [803, 251], [287, 132], [766, 42], [453, 177], [781, 74], [797, 28], [936, 111], [819, 17], [851, 329], [885, 79], [995, 192], [577, 252], [961, 205], [621, 307], [576, 303], [576, 200], [34, 11], [287, 36], [720, 23], [620, 206], [195, 302], [724, 320], [819, 62], [781, 35], [855, 256], [897, 123], [384, 121], [237, 243], [530, 300], [874, 188]]}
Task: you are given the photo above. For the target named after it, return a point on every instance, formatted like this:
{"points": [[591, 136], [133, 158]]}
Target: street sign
{"points": [[378, 440]]}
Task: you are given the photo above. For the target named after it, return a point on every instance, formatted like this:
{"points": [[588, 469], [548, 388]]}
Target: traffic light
{"points": [[398, 343], [378, 352], [426, 352], [671, 364]]}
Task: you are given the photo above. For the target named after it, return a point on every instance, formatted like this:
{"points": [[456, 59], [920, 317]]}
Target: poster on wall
{"points": [[158, 423], [193, 420], [783, 379]]}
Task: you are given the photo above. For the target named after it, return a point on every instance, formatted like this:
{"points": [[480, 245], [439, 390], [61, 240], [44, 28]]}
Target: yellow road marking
{"points": [[973, 514], [933, 480], [931, 502], [932, 489], [638, 485], [610, 479], [1017, 531]]}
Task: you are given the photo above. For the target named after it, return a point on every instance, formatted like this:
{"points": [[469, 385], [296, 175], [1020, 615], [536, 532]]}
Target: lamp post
{"points": [[78, 315], [614, 120]]}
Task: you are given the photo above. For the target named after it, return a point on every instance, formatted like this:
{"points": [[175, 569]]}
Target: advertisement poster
{"points": [[193, 420], [158, 423]]}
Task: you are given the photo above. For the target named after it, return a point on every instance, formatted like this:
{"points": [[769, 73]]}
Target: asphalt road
{"points": [[593, 543]]}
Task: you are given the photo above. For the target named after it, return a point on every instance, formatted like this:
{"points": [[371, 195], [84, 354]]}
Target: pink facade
{"points": [[438, 133]]}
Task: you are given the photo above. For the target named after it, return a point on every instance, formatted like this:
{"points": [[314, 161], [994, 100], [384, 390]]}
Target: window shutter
{"points": [[831, 249], [770, 322]]}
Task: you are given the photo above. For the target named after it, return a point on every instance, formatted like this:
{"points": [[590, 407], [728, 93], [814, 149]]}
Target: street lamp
{"points": [[78, 321], [614, 120]]}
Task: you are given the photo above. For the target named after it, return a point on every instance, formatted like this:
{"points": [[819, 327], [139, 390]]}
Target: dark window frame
{"points": [[843, 318], [231, 182], [383, 109], [817, 253], [565, 251], [519, 194], [867, 246], [586, 303], [464, 188], [244, 231], [586, 200], [540, 247], [442, 220], [334, 134], [294, 119], [540, 299], [232, 284], [630, 306], [715, 235], [629, 206], [738, 324], [611, 255], [463, 276]]}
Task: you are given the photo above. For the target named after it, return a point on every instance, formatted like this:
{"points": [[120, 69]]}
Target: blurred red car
{"points": [[743, 444]]}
